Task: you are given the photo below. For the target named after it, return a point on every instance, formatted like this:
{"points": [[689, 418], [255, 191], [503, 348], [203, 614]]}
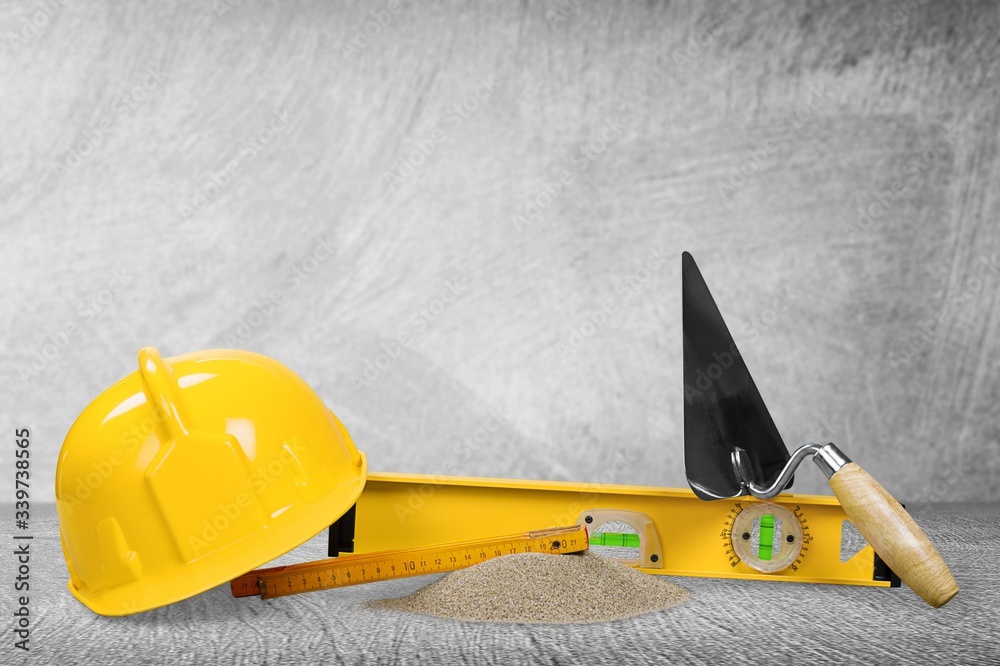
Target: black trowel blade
{"points": [[722, 407]]}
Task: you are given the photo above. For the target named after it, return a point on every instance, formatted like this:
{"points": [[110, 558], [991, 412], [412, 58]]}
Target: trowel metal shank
{"points": [[408, 510]]}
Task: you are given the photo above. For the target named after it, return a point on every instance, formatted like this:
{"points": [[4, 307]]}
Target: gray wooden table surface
{"points": [[726, 621]]}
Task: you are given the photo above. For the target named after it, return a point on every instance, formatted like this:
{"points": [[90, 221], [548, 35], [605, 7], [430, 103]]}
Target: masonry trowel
{"points": [[732, 448]]}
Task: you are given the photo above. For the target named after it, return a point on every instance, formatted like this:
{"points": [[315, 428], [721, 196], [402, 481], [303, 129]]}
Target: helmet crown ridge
{"points": [[161, 389]]}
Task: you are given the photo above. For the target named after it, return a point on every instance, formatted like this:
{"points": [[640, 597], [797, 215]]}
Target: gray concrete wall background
{"points": [[819, 300]]}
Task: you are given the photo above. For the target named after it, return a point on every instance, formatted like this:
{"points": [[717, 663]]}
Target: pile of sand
{"points": [[539, 588]]}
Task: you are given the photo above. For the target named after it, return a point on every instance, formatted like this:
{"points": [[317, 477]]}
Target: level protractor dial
{"points": [[767, 537]]}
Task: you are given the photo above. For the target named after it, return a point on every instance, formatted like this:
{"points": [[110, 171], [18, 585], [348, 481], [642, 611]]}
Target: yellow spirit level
{"points": [[793, 537]]}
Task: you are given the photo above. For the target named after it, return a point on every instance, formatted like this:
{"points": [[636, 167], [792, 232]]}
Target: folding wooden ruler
{"points": [[402, 563]]}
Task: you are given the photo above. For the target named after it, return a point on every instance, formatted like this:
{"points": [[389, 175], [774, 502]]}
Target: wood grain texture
{"points": [[704, 87], [893, 534]]}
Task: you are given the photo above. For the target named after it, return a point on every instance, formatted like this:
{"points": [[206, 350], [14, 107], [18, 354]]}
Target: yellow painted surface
{"points": [[408, 510]]}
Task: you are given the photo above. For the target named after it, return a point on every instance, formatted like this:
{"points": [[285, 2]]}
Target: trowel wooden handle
{"points": [[898, 540]]}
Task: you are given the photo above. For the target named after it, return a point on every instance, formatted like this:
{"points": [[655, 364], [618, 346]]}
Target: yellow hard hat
{"points": [[193, 471]]}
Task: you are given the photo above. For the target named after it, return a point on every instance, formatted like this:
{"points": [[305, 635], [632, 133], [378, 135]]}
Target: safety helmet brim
{"points": [[306, 521]]}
